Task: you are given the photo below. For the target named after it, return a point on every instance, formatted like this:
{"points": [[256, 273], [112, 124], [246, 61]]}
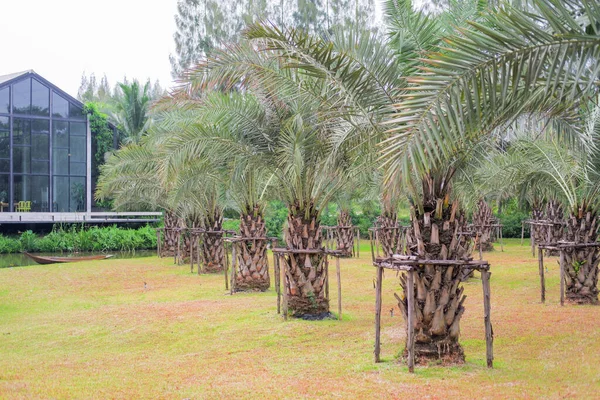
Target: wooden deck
{"points": [[74, 217]]}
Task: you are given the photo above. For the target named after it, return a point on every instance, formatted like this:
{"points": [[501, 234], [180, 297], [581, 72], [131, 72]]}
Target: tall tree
{"points": [[131, 110]]}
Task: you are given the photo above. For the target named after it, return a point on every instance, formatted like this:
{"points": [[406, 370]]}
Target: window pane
{"points": [[75, 112], [60, 134], [77, 194], [61, 194], [40, 126], [5, 165], [40, 98], [22, 97], [60, 162], [78, 129], [22, 131], [39, 193], [39, 147], [39, 167], [4, 138], [60, 106], [4, 188], [21, 160], [78, 168], [5, 100], [21, 189], [78, 148]]}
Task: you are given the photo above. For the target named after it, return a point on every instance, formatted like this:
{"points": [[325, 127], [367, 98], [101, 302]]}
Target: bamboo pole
{"points": [[562, 277], [378, 314], [339, 285], [489, 333], [410, 342], [542, 279]]}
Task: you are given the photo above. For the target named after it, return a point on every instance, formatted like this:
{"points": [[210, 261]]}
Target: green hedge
{"points": [[77, 238]]}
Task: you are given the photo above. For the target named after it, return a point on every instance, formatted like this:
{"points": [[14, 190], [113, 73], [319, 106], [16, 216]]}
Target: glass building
{"points": [[45, 147]]}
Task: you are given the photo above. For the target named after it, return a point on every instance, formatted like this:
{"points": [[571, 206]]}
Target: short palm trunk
{"points": [[345, 234], [306, 274], [170, 237], [554, 233], [212, 248], [434, 235], [252, 266], [389, 233], [482, 219], [538, 231], [581, 264]]}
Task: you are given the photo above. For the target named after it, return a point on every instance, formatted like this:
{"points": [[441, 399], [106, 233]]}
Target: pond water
{"points": [[21, 260]]}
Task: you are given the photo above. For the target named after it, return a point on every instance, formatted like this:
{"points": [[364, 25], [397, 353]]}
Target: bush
{"points": [[79, 238]]}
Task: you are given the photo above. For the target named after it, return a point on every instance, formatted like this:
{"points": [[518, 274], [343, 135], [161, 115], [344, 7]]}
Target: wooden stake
{"points": [[276, 273], [377, 242], [372, 250], [562, 277], [378, 314], [489, 332], [191, 253], [410, 342], [285, 295], [522, 232], [339, 286], [480, 251], [233, 268], [158, 243], [358, 242], [532, 241], [226, 269], [501, 239], [327, 278], [542, 279]]}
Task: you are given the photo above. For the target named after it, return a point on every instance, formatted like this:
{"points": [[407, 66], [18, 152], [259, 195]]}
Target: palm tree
{"points": [[131, 107]]}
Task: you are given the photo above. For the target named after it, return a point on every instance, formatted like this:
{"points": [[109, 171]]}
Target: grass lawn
{"points": [[91, 330]]}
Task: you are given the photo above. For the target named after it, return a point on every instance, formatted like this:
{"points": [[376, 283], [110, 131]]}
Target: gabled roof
{"points": [[6, 80], [10, 77]]}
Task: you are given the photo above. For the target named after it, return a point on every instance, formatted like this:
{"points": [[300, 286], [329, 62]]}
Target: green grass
{"points": [[91, 330]]}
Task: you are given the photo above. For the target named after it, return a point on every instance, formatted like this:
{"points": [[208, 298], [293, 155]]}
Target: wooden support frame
{"points": [[280, 252], [409, 264], [374, 241], [330, 238]]}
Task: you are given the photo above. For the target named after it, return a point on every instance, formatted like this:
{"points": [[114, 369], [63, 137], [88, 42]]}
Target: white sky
{"points": [[60, 39]]}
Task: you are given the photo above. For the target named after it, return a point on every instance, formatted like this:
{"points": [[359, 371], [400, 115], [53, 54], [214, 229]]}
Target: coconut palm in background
{"points": [[131, 110]]}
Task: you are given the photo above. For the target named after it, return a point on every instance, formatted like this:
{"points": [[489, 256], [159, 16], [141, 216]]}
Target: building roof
{"points": [[15, 76], [10, 77]]}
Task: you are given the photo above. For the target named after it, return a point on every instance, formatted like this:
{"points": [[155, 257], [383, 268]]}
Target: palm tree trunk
{"points": [[306, 274], [389, 233], [169, 246], [581, 265], [434, 235], [212, 249], [482, 219], [555, 233], [538, 231], [345, 234], [253, 270]]}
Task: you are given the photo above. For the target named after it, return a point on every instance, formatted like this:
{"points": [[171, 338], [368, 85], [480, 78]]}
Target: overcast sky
{"points": [[60, 39]]}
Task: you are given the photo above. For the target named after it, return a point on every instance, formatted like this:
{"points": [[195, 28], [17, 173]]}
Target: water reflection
{"points": [[21, 260]]}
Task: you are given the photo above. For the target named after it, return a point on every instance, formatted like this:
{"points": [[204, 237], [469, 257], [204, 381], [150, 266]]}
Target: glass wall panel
{"points": [[75, 112], [21, 189], [22, 160], [60, 161], [61, 194], [60, 106], [4, 137], [5, 100], [39, 167], [39, 147], [60, 134], [21, 131], [4, 166], [40, 99], [40, 126], [77, 194], [78, 129], [78, 168], [39, 193], [22, 97], [4, 190], [78, 148]]}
